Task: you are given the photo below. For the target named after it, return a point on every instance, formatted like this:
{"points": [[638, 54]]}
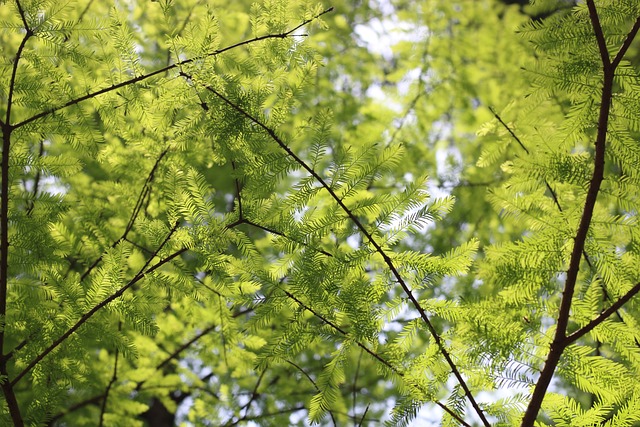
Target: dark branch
{"points": [[114, 377], [597, 29], [164, 70], [23, 16], [313, 383], [7, 129], [278, 233], [270, 414], [254, 395], [513, 135], [585, 255], [554, 196], [134, 214], [560, 341], [604, 315], [354, 388], [370, 239], [363, 416], [31, 204], [373, 354], [141, 275], [627, 42], [85, 10], [75, 407]]}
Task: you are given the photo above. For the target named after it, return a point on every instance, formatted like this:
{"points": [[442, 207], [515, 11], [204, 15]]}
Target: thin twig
{"points": [[314, 385], [278, 233], [556, 201], [243, 220], [254, 394], [626, 44], [31, 204], [363, 416], [84, 11], [23, 16], [7, 129], [373, 354], [354, 388], [114, 377], [513, 135]]}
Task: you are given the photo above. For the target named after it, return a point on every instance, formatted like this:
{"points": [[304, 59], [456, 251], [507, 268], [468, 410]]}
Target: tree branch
{"points": [[134, 214], [508, 129], [114, 377], [373, 354], [313, 383], [73, 408], [354, 388], [627, 42], [585, 255], [254, 395], [84, 11], [597, 29], [7, 129], [560, 341], [278, 233], [165, 69], [141, 275], [243, 220], [370, 239], [554, 196], [270, 414], [23, 16], [604, 315]]}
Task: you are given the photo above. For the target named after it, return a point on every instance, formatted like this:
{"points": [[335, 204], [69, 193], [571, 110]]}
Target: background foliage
{"points": [[348, 213]]}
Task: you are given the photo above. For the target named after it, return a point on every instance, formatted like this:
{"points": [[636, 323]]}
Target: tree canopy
{"points": [[331, 213]]}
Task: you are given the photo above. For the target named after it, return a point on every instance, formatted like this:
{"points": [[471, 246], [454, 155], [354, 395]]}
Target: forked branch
{"points": [[560, 340]]}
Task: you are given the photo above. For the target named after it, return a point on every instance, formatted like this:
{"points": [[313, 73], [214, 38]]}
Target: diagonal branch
{"points": [[604, 315], [597, 29], [243, 220], [370, 239], [146, 188], [627, 42], [144, 271], [254, 394], [354, 388], [314, 385], [138, 79], [31, 203], [508, 129], [269, 414], [585, 255], [113, 379], [371, 353], [554, 196], [278, 233], [173, 356]]}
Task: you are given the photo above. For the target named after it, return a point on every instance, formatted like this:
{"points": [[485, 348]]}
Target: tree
{"points": [[220, 214]]}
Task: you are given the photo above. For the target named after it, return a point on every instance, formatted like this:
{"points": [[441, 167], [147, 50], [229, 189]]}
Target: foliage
{"points": [[220, 213]]}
